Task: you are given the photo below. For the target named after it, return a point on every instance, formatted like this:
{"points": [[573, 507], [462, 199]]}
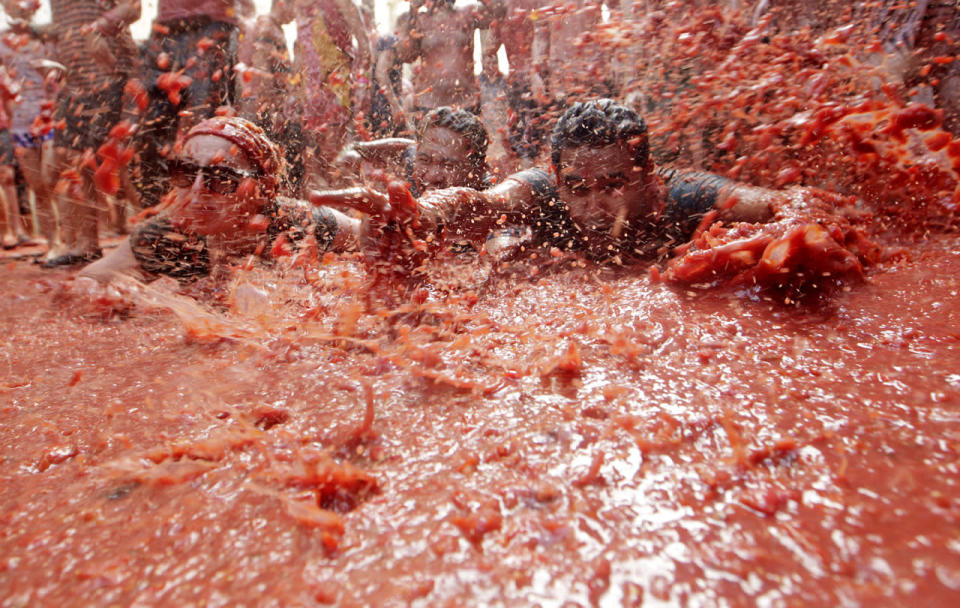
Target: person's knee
{"points": [[7, 176]]}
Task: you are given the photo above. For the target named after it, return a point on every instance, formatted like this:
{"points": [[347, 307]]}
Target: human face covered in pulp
{"points": [[443, 161], [607, 195], [215, 187]]}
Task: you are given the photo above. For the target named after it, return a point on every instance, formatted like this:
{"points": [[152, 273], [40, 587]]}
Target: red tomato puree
{"points": [[579, 437]]}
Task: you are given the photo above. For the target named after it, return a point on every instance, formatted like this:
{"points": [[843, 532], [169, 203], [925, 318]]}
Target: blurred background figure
{"points": [[441, 37], [266, 83], [25, 53], [524, 90], [386, 116], [574, 67], [333, 60], [98, 53], [188, 73], [11, 226]]}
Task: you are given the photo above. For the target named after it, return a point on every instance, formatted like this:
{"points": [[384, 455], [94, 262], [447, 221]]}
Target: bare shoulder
{"points": [[471, 11]]}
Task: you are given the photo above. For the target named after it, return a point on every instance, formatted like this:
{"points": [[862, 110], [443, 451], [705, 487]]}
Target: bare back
{"points": [[445, 47], [573, 65]]}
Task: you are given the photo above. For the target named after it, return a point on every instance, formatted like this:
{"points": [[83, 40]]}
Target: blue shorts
{"points": [[26, 139]]}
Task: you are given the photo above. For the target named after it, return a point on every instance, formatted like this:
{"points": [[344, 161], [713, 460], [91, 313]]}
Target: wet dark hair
{"points": [[598, 123], [465, 124]]}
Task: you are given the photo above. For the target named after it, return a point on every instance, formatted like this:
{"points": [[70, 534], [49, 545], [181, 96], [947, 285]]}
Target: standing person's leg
{"points": [[77, 205], [65, 192], [88, 120], [86, 207], [10, 225], [30, 159]]}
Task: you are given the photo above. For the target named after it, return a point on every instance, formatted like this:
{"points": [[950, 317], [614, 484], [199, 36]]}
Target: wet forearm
{"points": [[468, 214], [390, 148], [348, 231]]}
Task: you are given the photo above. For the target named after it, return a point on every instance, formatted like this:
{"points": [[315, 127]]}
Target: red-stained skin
{"points": [[600, 184], [442, 161]]}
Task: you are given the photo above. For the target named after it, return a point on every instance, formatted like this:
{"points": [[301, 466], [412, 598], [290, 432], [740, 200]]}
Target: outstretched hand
{"points": [[397, 206], [393, 228]]}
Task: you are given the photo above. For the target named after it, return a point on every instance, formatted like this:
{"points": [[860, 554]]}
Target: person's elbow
{"points": [[749, 204]]}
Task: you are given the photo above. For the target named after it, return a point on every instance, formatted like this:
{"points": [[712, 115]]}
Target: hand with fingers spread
{"points": [[393, 227]]}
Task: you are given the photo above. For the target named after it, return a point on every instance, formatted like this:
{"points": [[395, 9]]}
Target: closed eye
{"points": [[615, 185]]}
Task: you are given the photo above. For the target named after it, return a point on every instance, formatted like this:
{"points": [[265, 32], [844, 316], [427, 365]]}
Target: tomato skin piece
{"points": [[937, 141]]}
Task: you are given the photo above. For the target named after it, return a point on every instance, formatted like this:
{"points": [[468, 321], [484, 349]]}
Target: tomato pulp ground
{"points": [[590, 436]]}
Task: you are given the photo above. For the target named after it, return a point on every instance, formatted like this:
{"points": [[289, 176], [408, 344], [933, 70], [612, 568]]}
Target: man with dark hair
{"points": [[598, 124], [450, 150], [616, 202]]}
